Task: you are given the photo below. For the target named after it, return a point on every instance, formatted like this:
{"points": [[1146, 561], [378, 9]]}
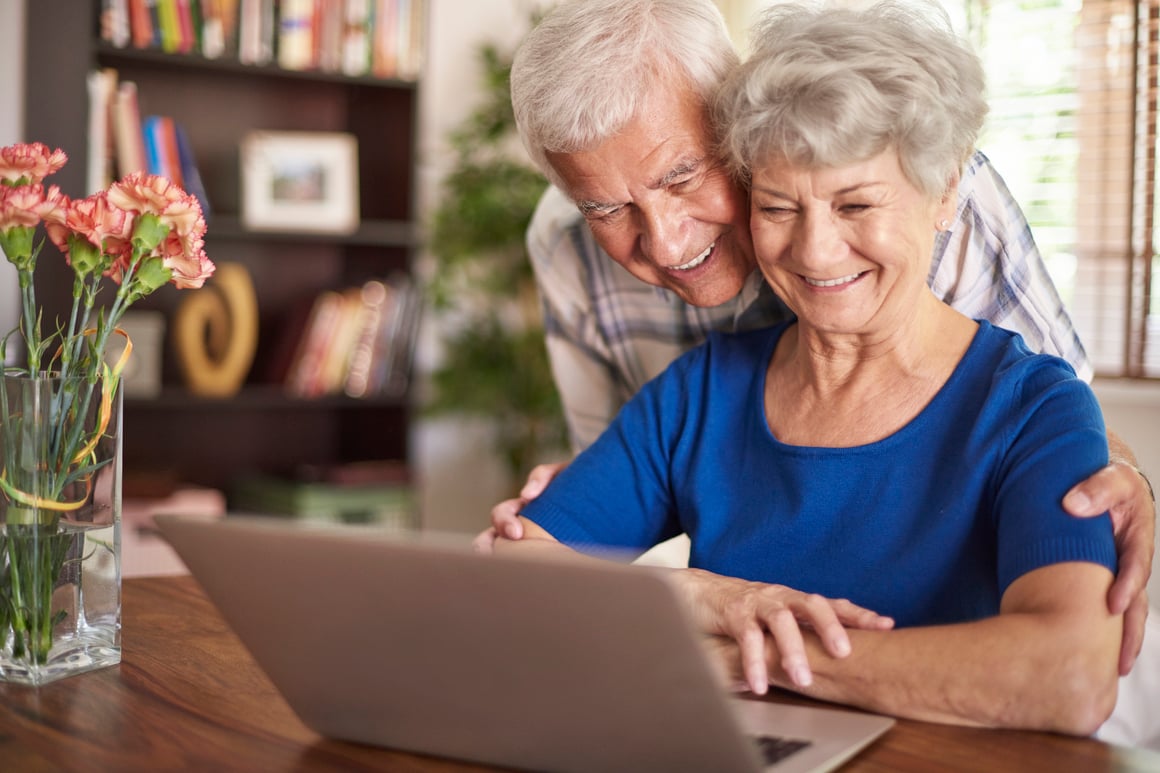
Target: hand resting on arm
{"points": [[1042, 663], [745, 611]]}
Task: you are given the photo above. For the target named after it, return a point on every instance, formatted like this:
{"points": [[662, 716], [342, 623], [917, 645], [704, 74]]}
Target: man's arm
{"points": [[1046, 662], [1121, 490]]}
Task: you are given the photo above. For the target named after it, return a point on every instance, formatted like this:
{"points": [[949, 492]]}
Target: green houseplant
{"points": [[495, 363]]}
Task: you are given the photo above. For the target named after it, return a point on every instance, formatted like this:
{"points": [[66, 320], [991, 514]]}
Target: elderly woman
{"points": [[882, 448]]}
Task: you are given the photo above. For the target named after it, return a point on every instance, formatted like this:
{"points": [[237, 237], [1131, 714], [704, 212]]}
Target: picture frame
{"points": [[300, 182]]}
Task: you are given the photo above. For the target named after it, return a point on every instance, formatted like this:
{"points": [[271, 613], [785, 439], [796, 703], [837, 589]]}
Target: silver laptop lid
{"points": [[417, 643]]}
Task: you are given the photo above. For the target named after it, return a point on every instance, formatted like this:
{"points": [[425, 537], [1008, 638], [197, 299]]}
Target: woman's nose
{"points": [[816, 240]]}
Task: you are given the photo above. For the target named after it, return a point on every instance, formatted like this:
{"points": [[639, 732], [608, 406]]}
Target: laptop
{"points": [[413, 641]]}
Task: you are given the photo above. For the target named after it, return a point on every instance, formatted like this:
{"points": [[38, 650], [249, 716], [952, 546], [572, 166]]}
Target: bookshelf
{"points": [[177, 436]]}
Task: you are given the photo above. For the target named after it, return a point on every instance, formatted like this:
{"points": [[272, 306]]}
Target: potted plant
{"points": [[495, 362]]}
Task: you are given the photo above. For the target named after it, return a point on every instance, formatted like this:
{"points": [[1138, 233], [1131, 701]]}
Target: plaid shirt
{"points": [[608, 333]]}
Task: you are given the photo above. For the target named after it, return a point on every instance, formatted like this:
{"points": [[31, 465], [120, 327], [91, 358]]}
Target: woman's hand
{"points": [[505, 519], [746, 611]]}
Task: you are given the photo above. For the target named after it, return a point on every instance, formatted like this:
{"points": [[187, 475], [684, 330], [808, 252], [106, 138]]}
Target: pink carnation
{"points": [[26, 205], [141, 193], [30, 162], [145, 193], [190, 267], [104, 226]]}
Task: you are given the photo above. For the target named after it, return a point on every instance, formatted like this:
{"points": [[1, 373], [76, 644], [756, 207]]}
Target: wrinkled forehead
{"points": [[671, 131]]}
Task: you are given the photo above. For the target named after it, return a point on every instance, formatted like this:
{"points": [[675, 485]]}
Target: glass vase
{"points": [[60, 527]]}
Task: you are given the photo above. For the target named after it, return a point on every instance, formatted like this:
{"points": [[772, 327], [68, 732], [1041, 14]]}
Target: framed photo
{"points": [[300, 181]]}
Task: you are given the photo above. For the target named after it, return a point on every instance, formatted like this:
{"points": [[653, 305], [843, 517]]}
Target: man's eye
{"points": [[603, 215]]}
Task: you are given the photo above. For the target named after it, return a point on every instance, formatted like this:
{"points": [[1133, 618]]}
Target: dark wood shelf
{"points": [[261, 429], [370, 233], [112, 56], [258, 397]]}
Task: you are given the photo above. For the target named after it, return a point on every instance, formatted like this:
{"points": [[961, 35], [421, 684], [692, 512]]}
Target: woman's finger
{"points": [[783, 626]]}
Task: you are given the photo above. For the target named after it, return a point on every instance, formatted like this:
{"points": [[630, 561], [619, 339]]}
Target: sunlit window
{"points": [[1072, 129]]}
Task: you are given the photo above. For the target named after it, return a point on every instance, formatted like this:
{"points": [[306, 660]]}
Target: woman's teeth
{"points": [[831, 282], [697, 260]]}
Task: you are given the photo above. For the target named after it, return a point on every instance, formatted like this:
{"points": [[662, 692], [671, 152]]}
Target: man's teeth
{"points": [[697, 260], [831, 282]]}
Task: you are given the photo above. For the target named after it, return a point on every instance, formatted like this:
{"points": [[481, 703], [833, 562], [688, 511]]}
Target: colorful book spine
{"points": [[189, 172], [296, 35]]}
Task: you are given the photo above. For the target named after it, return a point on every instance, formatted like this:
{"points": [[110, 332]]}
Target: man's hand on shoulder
{"points": [[505, 519], [1122, 491]]}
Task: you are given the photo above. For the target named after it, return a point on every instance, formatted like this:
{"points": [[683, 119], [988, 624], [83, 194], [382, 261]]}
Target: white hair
{"points": [[586, 69], [827, 86]]}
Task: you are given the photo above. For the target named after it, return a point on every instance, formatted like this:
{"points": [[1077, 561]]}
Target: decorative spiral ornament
{"points": [[215, 333]]}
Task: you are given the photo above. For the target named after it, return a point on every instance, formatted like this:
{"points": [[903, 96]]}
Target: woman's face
{"points": [[848, 248]]}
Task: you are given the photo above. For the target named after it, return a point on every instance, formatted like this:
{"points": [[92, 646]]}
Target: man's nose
{"points": [[662, 233]]}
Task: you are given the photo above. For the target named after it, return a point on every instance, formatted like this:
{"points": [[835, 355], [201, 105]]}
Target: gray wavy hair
{"points": [[828, 86], [583, 73]]}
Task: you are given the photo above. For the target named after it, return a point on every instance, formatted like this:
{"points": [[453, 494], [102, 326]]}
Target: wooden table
{"points": [[187, 696]]}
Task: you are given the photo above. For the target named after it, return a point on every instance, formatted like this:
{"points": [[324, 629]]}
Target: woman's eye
{"points": [[776, 212]]}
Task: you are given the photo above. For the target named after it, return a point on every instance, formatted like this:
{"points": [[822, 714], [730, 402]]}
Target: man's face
{"points": [[661, 205]]}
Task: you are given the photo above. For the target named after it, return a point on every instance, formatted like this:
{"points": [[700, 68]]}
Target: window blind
{"points": [[1072, 128]]}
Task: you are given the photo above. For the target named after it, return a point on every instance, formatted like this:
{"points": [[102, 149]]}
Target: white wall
{"points": [[11, 121], [460, 479]]}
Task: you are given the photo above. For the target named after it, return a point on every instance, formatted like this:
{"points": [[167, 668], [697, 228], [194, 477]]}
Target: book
{"points": [[115, 22], [390, 368], [213, 29], [154, 23], [303, 379], [328, 26], [161, 155], [129, 141], [278, 356], [186, 38], [153, 162], [170, 27], [102, 88], [384, 40], [296, 35], [140, 24], [374, 297], [256, 31], [189, 171], [335, 362], [357, 341], [356, 37]]}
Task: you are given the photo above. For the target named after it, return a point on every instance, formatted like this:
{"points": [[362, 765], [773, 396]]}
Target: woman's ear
{"points": [[945, 212]]}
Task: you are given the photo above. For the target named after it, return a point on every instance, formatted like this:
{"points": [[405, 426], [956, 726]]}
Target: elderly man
{"points": [[642, 245]]}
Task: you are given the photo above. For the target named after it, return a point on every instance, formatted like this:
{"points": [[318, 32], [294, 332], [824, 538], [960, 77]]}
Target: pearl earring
{"points": [[944, 224]]}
